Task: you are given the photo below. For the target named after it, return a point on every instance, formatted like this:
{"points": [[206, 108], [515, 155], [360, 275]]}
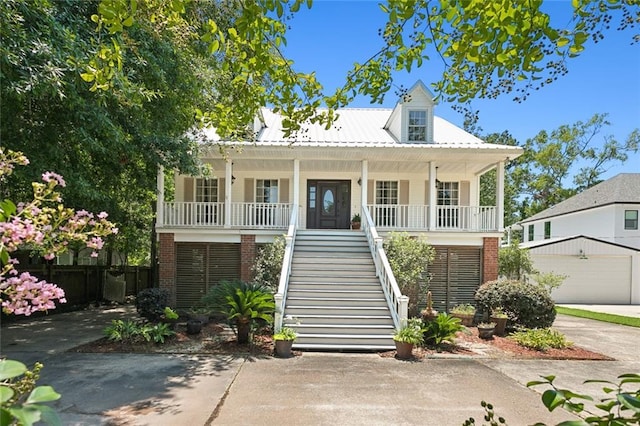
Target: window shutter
{"points": [[249, 191], [188, 189], [371, 190], [221, 190], [283, 191], [403, 196], [427, 187], [464, 193]]}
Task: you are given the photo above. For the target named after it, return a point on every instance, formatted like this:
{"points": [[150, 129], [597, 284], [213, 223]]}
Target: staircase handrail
{"points": [[285, 272], [398, 303]]}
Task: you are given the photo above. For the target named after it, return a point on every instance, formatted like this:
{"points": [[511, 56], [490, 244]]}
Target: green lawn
{"points": [[616, 319]]}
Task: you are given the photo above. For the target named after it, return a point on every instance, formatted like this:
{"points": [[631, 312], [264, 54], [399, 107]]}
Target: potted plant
{"points": [[356, 221], [428, 313], [499, 317], [486, 329], [194, 326], [283, 341], [169, 317], [465, 312], [200, 314], [405, 337]]}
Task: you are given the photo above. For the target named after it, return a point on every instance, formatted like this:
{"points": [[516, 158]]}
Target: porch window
{"points": [[206, 194], [206, 190], [547, 230], [631, 219], [267, 190], [417, 131], [448, 200], [266, 193], [386, 202], [530, 230]]}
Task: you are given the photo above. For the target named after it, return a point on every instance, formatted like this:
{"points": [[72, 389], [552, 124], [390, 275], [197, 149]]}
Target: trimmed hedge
{"points": [[527, 305]]}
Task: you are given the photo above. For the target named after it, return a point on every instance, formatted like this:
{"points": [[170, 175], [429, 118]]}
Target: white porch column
{"points": [[160, 197], [296, 182], [363, 184], [433, 192], [500, 195], [228, 177]]}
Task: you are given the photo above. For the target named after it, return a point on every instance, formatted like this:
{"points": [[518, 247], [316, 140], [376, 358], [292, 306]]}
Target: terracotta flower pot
{"points": [[404, 350], [283, 348], [501, 324], [467, 319]]}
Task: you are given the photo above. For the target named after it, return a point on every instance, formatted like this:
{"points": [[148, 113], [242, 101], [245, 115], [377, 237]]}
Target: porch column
{"points": [[296, 182], [228, 177], [160, 197], [363, 184], [433, 191], [500, 196]]}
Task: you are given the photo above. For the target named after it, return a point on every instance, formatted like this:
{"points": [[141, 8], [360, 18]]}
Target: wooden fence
{"points": [[84, 284]]}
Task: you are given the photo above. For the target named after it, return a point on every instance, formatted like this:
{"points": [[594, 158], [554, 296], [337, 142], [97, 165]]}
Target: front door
{"points": [[328, 204]]}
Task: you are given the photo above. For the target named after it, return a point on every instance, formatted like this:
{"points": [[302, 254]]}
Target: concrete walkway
{"points": [[312, 389]]}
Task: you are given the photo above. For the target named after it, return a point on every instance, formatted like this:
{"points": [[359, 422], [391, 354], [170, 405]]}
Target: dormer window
{"points": [[417, 126]]}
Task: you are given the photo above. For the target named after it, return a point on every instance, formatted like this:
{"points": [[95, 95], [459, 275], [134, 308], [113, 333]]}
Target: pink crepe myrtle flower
{"points": [[53, 177]]}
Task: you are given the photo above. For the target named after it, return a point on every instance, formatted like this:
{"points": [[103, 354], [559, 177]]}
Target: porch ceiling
{"points": [[409, 159]]}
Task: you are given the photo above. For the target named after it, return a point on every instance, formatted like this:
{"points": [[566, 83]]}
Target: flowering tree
{"points": [[44, 226]]}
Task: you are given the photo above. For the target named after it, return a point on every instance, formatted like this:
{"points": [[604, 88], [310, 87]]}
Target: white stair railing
{"points": [[285, 272], [398, 303]]}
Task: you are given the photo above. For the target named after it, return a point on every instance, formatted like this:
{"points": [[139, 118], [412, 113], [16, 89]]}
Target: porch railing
{"points": [[416, 217], [398, 303], [243, 215], [285, 272]]}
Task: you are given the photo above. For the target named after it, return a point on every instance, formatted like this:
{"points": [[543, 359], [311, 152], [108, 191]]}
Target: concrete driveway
{"points": [[313, 389]]}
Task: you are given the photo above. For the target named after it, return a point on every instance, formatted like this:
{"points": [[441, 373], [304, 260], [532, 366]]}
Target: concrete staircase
{"points": [[335, 301]]}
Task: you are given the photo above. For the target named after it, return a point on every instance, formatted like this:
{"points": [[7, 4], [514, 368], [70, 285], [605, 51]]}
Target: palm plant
{"points": [[244, 308]]}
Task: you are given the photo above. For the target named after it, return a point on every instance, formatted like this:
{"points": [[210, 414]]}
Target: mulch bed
{"points": [[217, 338]]}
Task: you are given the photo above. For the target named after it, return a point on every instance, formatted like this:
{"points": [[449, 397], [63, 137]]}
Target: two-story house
{"points": [[593, 239], [400, 169]]}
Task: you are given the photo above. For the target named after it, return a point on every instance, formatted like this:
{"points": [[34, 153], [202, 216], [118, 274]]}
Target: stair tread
{"points": [[348, 326], [345, 336], [342, 346]]}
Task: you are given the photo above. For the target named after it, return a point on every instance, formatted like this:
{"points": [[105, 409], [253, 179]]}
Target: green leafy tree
{"points": [[559, 164], [409, 258], [514, 262]]}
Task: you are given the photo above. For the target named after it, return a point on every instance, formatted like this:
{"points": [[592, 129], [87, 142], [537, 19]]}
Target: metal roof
{"points": [[622, 188], [360, 127]]}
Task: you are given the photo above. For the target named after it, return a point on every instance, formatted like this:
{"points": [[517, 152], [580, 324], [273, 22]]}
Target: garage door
{"points": [[597, 279]]}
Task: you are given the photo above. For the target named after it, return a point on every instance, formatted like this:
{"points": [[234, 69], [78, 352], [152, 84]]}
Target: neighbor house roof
{"points": [[621, 189], [549, 241]]}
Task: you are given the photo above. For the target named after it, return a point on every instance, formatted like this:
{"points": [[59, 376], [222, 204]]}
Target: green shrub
{"points": [[527, 305], [130, 331], [157, 332], [409, 258], [150, 303], [245, 309], [442, 329], [268, 264], [541, 339], [123, 331]]}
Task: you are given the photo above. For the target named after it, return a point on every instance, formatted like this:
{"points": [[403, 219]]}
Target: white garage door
{"points": [[597, 279]]}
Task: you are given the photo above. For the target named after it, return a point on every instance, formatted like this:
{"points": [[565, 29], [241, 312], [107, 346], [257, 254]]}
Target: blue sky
{"points": [[333, 35]]}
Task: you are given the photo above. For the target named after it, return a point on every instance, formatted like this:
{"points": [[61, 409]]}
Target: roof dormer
{"points": [[411, 121]]}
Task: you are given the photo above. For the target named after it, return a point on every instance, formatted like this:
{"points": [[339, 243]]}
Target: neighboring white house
{"points": [[607, 211], [400, 169], [594, 239]]}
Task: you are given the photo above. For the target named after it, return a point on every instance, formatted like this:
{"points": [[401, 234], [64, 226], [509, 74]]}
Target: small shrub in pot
{"points": [[151, 302]]}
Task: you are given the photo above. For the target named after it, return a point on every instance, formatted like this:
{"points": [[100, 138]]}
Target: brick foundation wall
{"points": [[490, 259], [247, 256], [167, 266]]}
